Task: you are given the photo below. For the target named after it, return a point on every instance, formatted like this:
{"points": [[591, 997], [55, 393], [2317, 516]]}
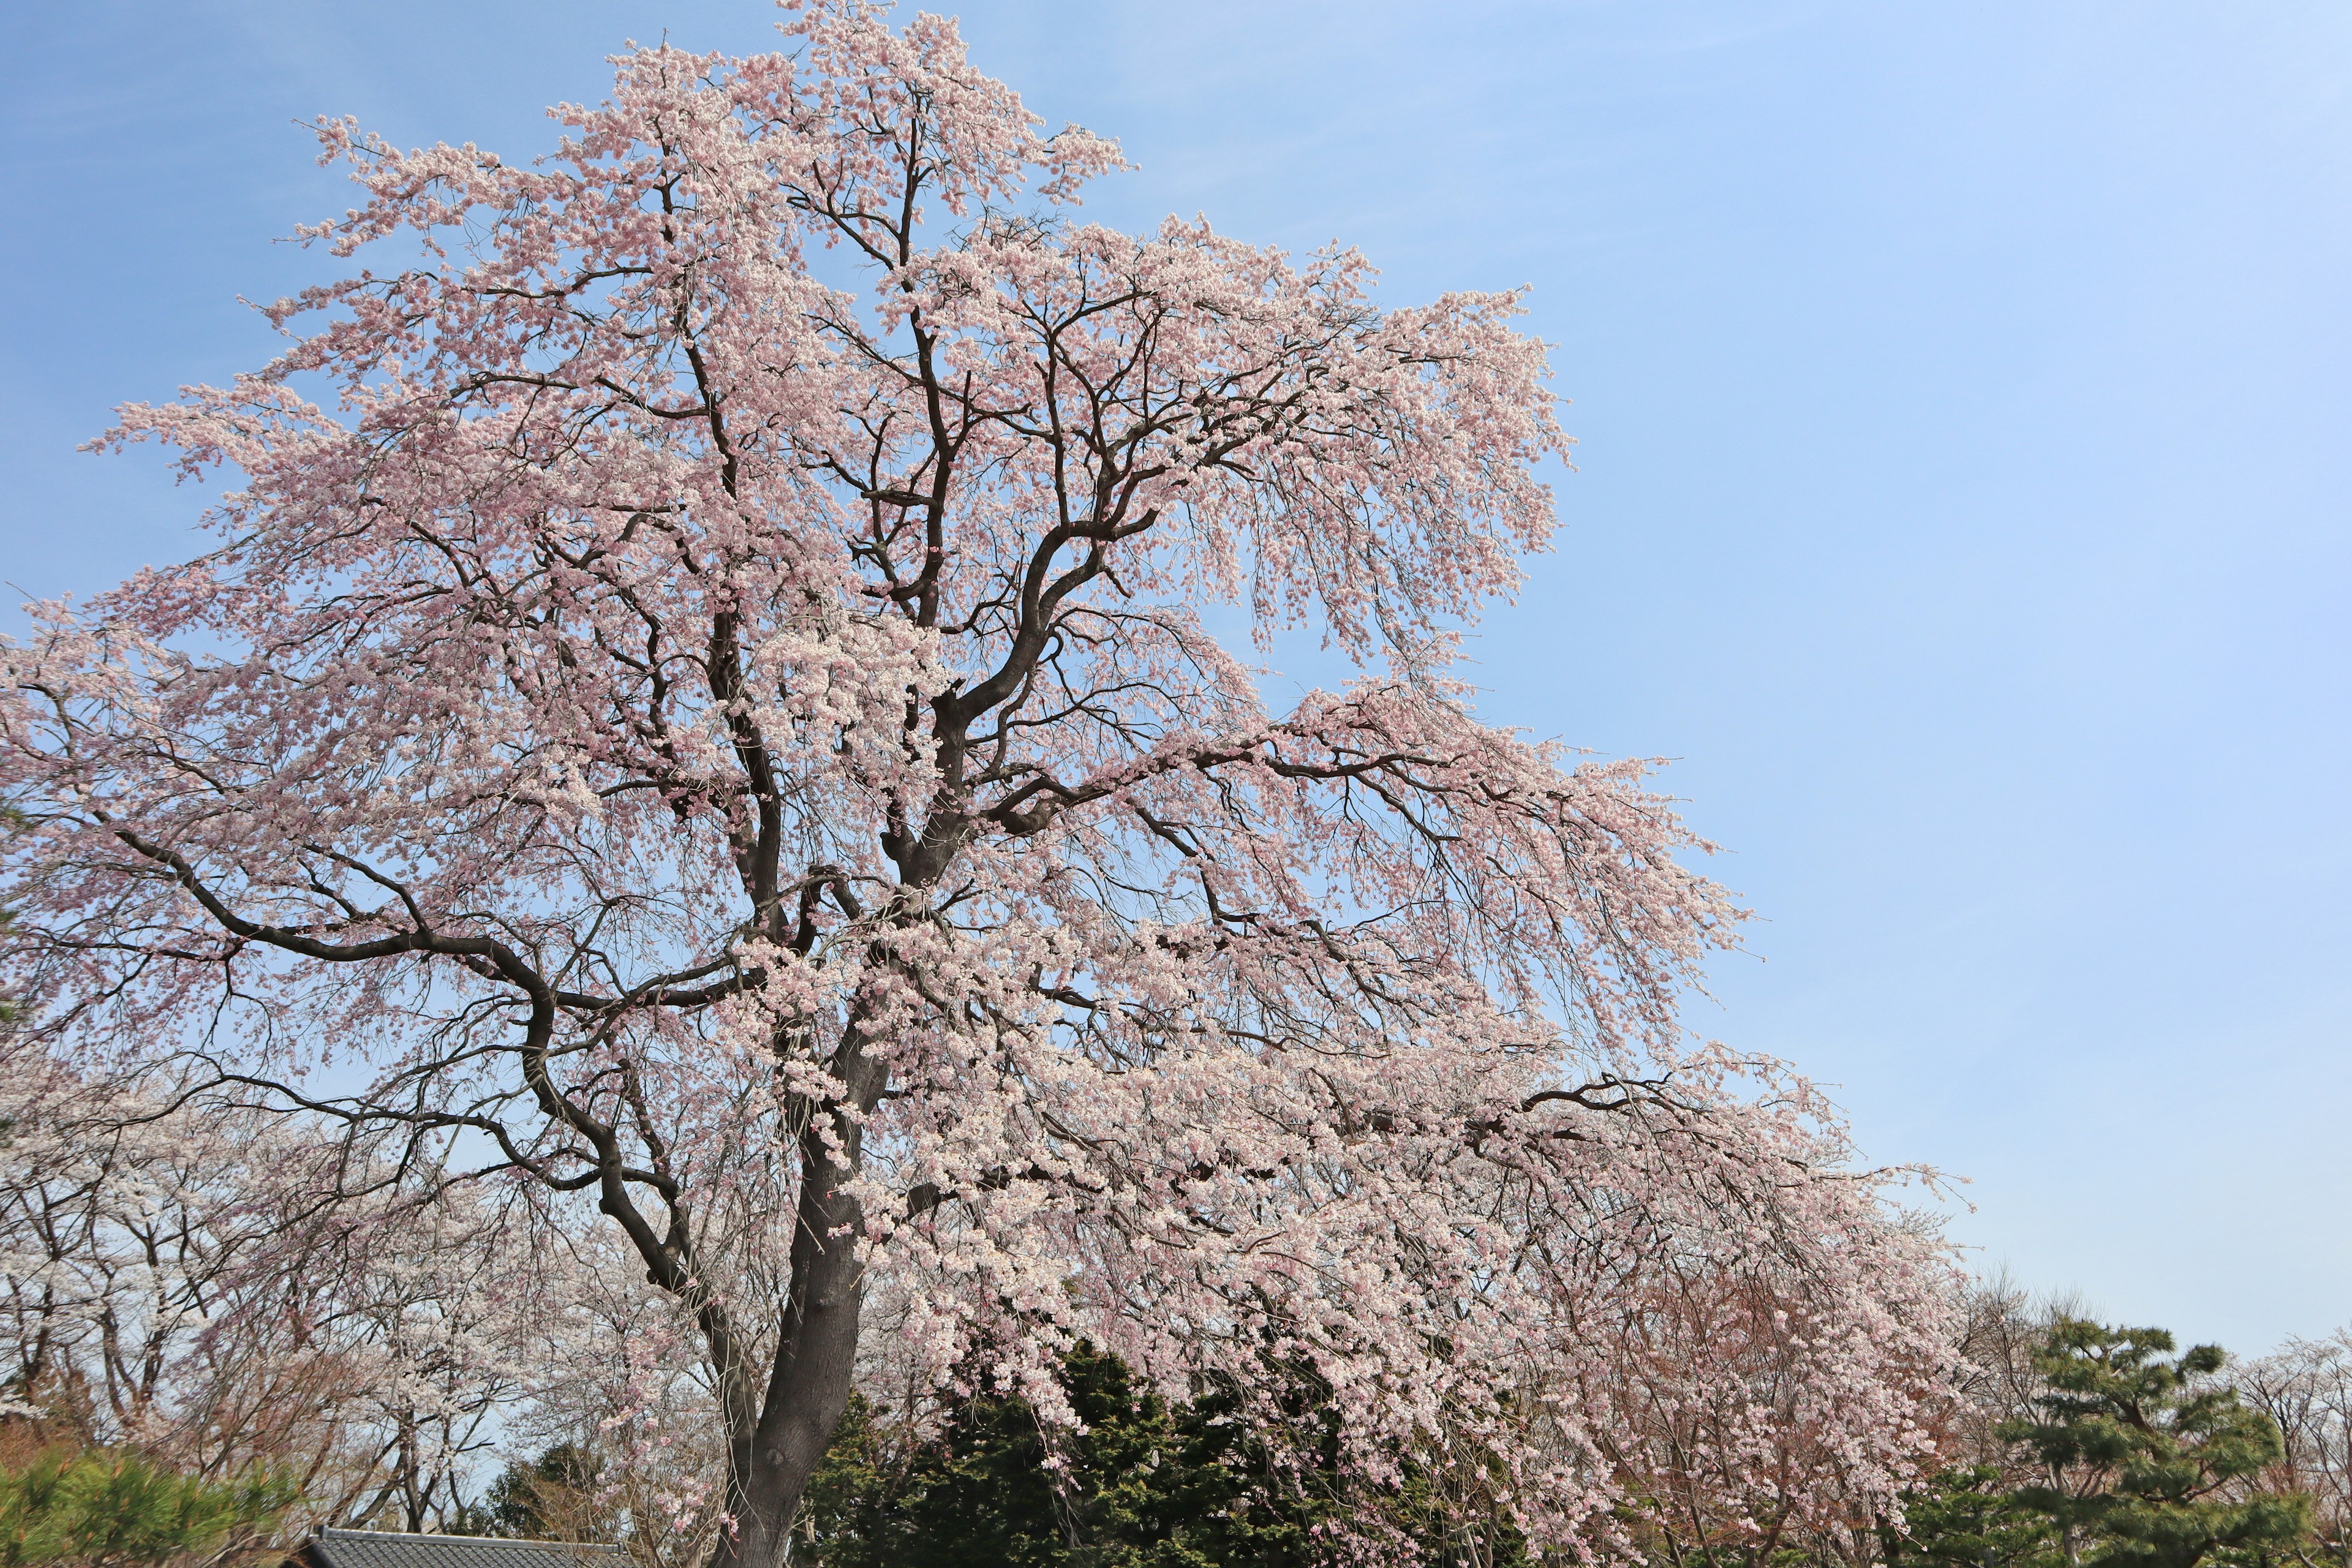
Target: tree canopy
{"points": [[666, 735]]}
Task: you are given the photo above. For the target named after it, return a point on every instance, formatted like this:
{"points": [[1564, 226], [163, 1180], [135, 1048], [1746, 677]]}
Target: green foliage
{"points": [[550, 1498], [100, 1509], [1145, 1485], [2137, 1458], [1969, 1518], [2147, 1461]]}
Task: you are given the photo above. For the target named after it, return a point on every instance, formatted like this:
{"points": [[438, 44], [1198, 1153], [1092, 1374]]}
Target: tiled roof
{"points": [[384, 1549]]}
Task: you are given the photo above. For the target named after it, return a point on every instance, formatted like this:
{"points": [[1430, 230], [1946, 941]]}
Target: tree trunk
{"points": [[816, 1350]]}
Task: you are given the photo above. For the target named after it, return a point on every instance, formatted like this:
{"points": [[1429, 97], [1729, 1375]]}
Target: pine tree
{"points": [[2145, 1459], [1146, 1484], [1967, 1518], [100, 1509]]}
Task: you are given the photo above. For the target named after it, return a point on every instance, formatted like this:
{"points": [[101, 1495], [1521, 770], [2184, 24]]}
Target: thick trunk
{"points": [[817, 1351], [807, 1393]]}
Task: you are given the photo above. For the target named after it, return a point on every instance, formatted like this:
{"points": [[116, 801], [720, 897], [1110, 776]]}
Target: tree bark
{"points": [[808, 1389]]}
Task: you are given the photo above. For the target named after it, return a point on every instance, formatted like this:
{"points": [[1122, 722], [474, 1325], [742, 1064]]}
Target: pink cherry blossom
{"points": [[665, 732]]}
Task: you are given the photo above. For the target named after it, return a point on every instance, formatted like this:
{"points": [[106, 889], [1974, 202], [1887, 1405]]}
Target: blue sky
{"points": [[1963, 398]]}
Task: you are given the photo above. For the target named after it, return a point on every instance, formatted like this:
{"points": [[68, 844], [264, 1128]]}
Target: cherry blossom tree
{"points": [[227, 1292], [754, 752]]}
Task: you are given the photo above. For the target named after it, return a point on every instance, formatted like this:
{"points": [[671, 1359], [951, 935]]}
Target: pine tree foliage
{"points": [[2149, 1454], [95, 1509], [1967, 1518], [1145, 1483], [2123, 1455]]}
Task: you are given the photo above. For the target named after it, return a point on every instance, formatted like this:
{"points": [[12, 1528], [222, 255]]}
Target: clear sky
{"points": [[1965, 400]]}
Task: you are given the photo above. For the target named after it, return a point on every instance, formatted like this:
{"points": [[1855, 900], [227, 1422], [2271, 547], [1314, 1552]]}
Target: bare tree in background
{"points": [[165, 1286], [2305, 1387]]}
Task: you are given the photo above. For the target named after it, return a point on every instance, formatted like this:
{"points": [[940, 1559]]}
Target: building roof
{"points": [[385, 1549]]}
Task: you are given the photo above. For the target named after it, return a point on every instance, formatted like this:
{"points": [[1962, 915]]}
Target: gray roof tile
{"points": [[384, 1549]]}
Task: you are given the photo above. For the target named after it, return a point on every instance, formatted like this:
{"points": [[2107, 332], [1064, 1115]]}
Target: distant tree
{"points": [[2306, 1386], [2103, 1449], [552, 1497], [171, 1284], [2150, 1456]]}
